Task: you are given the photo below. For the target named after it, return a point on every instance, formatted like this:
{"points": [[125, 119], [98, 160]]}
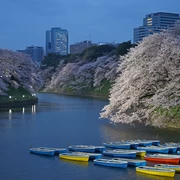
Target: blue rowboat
{"points": [[120, 153], [168, 166], [57, 150], [82, 148], [141, 153], [172, 149], [133, 144], [154, 149], [173, 144], [144, 143], [155, 142], [100, 148], [111, 163], [91, 155], [117, 145], [42, 151], [132, 162]]}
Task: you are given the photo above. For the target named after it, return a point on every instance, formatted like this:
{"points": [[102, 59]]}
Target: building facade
{"points": [[36, 53], [48, 41], [57, 41], [155, 23], [80, 47]]}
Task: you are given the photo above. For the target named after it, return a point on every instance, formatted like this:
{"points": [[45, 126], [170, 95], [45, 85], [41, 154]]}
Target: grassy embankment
{"points": [[17, 97], [102, 93], [172, 116]]}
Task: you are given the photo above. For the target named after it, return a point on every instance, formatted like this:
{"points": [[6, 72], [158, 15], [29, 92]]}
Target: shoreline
{"points": [[18, 103], [102, 97]]}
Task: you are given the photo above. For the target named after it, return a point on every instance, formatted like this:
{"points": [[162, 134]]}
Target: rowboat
{"points": [[82, 148], [156, 171], [173, 144], [144, 143], [57, 150], [172, 149], [120, 153], [132, 162], [74, 157], [154, 149], [168, 166], [141, 153], [117, 145], [99, 148], [111, 163], [169, 155], [42, 151], [155, 142], [162, 158], [91, 155], [133, 144]]}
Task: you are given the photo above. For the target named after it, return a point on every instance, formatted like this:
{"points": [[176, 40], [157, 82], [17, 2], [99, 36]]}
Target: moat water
{"points": [[60, 121]]}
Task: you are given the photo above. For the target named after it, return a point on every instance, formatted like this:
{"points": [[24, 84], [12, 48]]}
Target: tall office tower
{"points": [[57, 38], [36, 53], [48, 42], [155, 23]]}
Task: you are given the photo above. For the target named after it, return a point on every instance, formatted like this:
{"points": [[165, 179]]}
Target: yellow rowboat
{"points": [[168, 166], [74, 157], [156, 171], [140, 153]]}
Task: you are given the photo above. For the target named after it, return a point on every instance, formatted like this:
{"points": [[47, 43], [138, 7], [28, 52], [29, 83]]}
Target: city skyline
{"points": [[23, 23]]}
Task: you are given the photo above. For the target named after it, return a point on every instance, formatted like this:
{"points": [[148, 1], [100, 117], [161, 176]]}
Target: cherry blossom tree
{"points": [[17, 69], [148, 87]]}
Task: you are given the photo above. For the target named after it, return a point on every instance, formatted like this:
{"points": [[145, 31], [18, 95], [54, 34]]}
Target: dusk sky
{"points": [[24, 22]]}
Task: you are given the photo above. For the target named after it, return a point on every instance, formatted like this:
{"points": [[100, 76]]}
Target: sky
{"points": [[24, 22]]}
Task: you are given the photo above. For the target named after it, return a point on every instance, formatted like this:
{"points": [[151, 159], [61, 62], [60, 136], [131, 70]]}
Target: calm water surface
{"points": [[60, 121]]}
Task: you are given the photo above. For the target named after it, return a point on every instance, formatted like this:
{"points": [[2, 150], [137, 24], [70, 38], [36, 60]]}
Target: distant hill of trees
{"points": [[89, 73]]}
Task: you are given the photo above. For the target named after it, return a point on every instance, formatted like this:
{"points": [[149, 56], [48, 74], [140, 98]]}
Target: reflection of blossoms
{"points": [[150, 80], [17, 69]]}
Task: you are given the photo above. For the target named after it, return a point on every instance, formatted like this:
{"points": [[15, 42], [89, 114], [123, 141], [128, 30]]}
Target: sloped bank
{"points": [[18, 103]]}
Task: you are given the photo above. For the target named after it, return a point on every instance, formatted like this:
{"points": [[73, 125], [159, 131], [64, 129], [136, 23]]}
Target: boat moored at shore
{"points": [[132, 162], [120, 153], [111, 163], [82, 148], [156, 171], [154, 149], [117, 145], [41, 151], [161, 158], [74, 157], [168, 166]]}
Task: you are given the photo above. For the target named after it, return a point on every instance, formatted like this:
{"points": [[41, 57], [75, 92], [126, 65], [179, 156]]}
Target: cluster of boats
{"points": [[122, 154]]}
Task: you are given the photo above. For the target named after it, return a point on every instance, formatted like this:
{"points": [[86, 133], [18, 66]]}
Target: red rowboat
{"points": [[163, 159]]}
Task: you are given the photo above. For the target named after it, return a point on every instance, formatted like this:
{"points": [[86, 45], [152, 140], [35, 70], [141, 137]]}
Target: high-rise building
{"points": [[36, 53], [80, 47], [48, 41], [155, 23], [57, 41]]}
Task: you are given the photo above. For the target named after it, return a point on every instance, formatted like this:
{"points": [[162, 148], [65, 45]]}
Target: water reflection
{"points": [[141, 176], [10, 114], [118, 132], [79, 163]]}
